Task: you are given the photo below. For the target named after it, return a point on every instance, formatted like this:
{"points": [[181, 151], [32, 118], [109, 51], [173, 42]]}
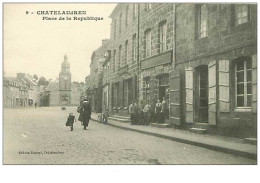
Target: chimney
{"points": [[104, 41]]}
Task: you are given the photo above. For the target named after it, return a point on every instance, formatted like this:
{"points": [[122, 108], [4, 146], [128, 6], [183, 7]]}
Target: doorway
{"points": [[201, 94]]}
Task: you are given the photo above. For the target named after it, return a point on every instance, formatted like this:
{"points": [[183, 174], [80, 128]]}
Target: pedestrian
{"points": [[140, 113], [105, 114], [164, 110], [158, 111], [147, 113], [70, 120], [35, 104], [132, 113], [85, 113], [152, 111]]}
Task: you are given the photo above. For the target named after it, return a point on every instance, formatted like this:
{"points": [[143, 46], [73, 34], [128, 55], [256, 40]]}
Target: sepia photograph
{"points": [[129, 83]]}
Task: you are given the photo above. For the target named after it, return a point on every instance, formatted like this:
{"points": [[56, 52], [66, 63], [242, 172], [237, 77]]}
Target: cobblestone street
{"points": [[31, 136]]}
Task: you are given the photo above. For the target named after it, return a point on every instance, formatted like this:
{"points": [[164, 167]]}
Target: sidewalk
{"points": [[213, 142]]}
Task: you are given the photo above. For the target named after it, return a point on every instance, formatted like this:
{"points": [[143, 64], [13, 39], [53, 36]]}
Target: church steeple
{"points": [[65, 58], [65, 75], [65, 66]]}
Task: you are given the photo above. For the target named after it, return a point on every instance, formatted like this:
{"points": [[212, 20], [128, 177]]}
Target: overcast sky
{"points": [[34, 46]]}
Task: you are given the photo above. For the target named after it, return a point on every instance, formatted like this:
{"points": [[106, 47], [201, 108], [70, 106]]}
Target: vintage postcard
{"points": [[130, 83]]}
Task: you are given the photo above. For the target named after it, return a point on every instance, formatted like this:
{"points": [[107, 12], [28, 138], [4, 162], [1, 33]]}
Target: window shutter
{"points": [[254, 84], [212, 111], [189, 94], [224, 99], [174, 85]]}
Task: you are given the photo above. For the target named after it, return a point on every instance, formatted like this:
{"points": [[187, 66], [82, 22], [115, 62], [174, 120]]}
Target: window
{"points": [[135, 6], [243, 83], [134, 47], [126, 15], [120, 23], [120, 56], [148, 6], [241, 13], [127, 92], [114, 60], [115, 29], [115, 94], [146, 87], [162, 38], [148, 42], [126, 51], [203, 18]]}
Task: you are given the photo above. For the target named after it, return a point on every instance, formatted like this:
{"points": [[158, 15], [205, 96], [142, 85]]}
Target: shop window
{"points": [[148, 43], [162, 36], [146, 88], [115, 94], [242, 13], [163, 86], [243, 73], [127, 92]]}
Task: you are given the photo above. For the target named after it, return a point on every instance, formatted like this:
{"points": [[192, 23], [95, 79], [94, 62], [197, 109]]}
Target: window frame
{"points": [[135, 11], [236, 14], [200, 31], [245, 82], [115, 28], [114, 60], [148, 42], [126, 51], [119, 56], [163, 40], [134, 47], [120, 23], [126, 15]]}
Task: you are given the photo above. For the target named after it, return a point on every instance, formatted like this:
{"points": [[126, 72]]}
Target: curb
{"points": [[199, 144]]}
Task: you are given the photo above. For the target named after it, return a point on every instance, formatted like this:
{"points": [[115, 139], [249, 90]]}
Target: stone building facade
{"points": [[124, 57], [95, 89], [156, 51], [200, 57], [20, 91], [214, 78]]}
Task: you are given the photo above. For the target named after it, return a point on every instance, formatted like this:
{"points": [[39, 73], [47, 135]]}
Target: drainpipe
{"points": [[138, 60], [174, 35]]}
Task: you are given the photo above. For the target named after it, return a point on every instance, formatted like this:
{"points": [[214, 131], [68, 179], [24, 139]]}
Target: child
{"points": [[70, 121]]}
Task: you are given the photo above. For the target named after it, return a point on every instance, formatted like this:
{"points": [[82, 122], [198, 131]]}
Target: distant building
{"points": [[95, 77], [33, 88], [62, 91]]}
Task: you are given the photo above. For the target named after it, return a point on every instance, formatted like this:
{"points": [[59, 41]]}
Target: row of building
{"points": [[200, 57], [20, 91]]}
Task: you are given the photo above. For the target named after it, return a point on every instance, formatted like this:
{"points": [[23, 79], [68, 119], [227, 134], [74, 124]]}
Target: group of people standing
{"points": [[144, 114]]}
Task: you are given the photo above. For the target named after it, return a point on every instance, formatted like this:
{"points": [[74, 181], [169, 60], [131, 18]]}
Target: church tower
{"points": [[65, 82]]}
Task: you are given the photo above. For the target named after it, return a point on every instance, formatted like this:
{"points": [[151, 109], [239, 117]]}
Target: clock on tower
{"points": [[65, 82]]}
